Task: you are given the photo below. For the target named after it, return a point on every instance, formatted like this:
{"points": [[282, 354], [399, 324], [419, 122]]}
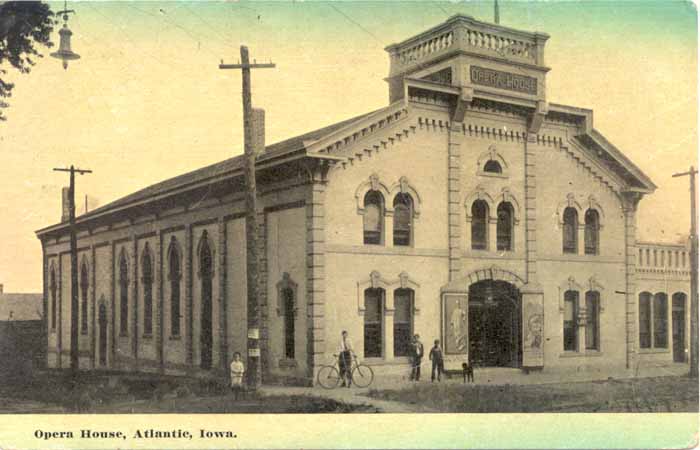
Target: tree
{"points": [[23, 25]]}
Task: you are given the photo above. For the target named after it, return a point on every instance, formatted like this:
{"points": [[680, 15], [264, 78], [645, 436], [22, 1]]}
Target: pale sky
{"points": [[147, 101]]}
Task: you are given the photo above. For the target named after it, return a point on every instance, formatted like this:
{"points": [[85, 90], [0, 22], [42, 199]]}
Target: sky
{"points": [[147, 101]]}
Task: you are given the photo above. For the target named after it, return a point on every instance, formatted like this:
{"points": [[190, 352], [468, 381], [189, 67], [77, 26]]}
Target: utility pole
{"points": [[254, 371], [693, 273], [496, 13], [73, 270]]}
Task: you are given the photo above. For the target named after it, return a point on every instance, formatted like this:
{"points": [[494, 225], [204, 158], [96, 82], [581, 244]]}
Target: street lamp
{"points": [[64, 52]]}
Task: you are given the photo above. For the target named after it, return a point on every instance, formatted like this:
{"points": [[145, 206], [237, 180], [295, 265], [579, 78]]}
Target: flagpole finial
{"points": [[496, 15]]}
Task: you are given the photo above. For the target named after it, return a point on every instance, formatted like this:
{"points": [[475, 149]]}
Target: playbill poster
{"points": [[406, 224]]}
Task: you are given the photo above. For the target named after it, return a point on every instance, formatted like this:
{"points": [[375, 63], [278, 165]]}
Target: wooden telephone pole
{"points": [[73, 269], [693, 273], [253, 371]]}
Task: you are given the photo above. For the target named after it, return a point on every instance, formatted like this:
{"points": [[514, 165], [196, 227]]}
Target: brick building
{"points": [[470, 209], [22, 336]]}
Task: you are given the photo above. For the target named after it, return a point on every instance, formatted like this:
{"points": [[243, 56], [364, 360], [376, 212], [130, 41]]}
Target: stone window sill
{"points": [[586, 354], [647, 351], [481, 173], [174, 337], [147, 336]]}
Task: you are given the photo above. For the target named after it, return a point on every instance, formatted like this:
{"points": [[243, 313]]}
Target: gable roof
{"points": [[18, 307]]}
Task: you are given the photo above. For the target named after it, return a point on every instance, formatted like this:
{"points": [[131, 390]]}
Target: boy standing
{"points": [[237, 371], [417, 357], [436, 357]]}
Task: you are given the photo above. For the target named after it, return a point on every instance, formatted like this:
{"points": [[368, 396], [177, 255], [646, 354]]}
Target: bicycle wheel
{"points": [[362, 375], [328, 377]]}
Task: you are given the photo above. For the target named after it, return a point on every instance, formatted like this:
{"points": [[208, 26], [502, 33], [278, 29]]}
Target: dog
{"points": [[467, 372]]}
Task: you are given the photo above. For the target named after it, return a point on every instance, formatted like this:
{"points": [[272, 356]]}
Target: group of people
{"points": [[435, 356]]}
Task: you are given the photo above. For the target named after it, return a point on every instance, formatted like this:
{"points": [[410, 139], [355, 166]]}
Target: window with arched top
{"points": [[592, 234], [403, 218], [403, 321], [123, 296], [84, 286], [660, 320], [592, 320], [174, 275], [480, 225], [493, 166], [147, 280], [504, 227], [645, 320], [374, 323], [570, 244], [570, 325], [52, 288], [289, 311], [373, 219]]}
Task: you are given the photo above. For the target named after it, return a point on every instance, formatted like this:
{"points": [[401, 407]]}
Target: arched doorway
{"points": [[495, 324], [102, 323], [206, 336]]}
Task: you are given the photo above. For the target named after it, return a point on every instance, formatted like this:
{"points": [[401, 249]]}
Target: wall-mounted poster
{"points": [[455, 321]]}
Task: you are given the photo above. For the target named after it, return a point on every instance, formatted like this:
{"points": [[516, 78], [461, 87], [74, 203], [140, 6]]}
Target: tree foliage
{"points": [[23, 26]]}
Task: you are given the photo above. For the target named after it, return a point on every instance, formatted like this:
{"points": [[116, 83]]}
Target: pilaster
{"points": [[315, 273], [453, 201], [159, 296], [530, 209], [59, 315], [189, 319], [263, 310], [223, 296], [630, 200], [92, 333], [135, 300]]}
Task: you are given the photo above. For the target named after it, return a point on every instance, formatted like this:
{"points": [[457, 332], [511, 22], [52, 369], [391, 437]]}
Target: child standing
{"points": [[436, 357], [237, 371]]}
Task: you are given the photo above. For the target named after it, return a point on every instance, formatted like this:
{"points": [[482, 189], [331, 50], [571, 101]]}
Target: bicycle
{"points": [[361, 375]]}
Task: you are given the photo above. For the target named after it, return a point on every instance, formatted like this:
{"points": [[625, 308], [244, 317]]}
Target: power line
{"points": [[351, 20]]}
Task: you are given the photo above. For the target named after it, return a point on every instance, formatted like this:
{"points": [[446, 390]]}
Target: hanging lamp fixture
{"points": [[65, 53]]}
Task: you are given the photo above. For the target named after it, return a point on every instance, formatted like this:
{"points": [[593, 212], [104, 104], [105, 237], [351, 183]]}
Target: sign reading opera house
{"points": [[470, 210]]}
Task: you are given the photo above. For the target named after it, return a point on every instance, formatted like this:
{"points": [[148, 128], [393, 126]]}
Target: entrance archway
{"points": [[495, 324], [102, 322]]}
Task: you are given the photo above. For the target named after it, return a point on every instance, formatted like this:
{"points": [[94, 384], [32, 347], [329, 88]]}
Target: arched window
{"points": [[403, 215], [480, 225], [147, 280], [52, 288], [660, 320], [123, 296], [174, 275], [645, 320], [374, 323], [403, 321], [570, 325], [504, 227], [493, 166], [592, 320], [570, 230], [84, 298], [592, 234], [288, 303], [374, 218]]}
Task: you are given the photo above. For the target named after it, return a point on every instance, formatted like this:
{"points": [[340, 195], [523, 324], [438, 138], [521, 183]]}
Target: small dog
{"points": [[467, 372]]}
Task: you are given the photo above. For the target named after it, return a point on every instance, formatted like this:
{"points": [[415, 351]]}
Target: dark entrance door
{"points": [[206, 321], [495, 324], [102, 322], [678, 322]]}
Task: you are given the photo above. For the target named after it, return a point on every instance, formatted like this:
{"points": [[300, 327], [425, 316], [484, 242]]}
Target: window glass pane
{"points": [[592, 232], [373, 218], [570, 230], [645, 320], [402, 305], [660, 320], [592, 318], [373, 335], [492, 166], [570, 326], [479, 225], [84, 299], [289, 325], [402, 219], [504, 227]]}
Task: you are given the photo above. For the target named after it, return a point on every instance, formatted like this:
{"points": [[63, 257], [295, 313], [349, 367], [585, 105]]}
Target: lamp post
{"points": [[65, 53]]}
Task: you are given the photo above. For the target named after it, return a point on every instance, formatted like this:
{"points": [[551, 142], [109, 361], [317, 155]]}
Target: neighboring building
{"points": [[22, 337], [470, 209]]}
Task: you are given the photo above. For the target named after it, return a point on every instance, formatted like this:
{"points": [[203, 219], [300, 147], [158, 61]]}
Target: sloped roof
{"points": [[20, 306], [226, 166]]}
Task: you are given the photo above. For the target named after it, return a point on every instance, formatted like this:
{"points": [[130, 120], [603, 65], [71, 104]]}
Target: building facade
{"points": [[470, 210]]}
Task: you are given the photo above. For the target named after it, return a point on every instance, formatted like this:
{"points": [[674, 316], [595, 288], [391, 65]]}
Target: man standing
{"points": [[344, 359], [436, 357], [417, 357]]}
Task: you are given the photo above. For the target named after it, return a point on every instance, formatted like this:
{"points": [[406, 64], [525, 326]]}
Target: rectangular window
{"points": [[644, 320], [570, 326], [592, 320], [403, 321], [374, 315], [660, 321]]}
